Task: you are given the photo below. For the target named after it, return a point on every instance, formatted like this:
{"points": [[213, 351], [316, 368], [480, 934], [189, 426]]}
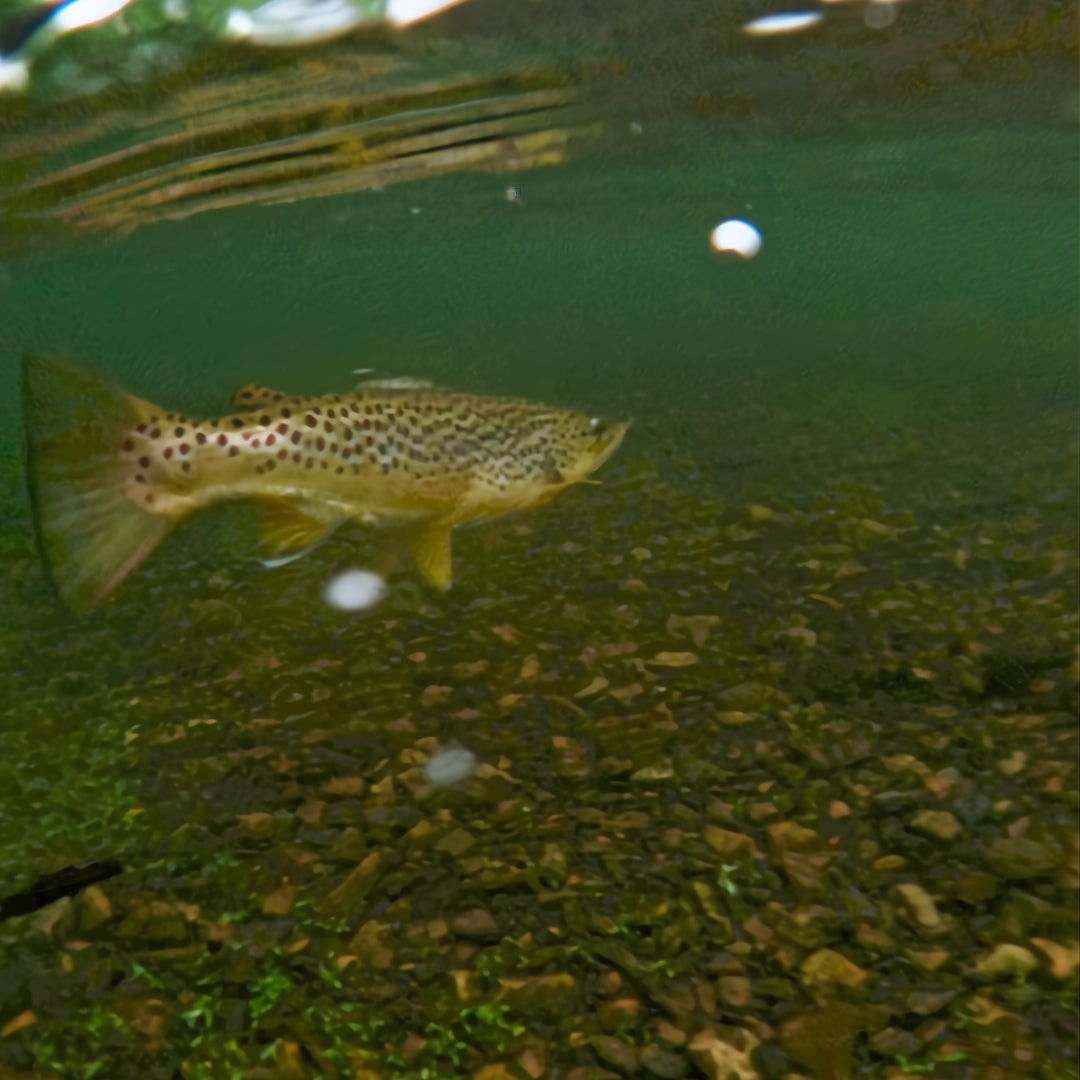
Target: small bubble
{"points": [[737, 238], [512, 194], [635, 128], [879, 14], [449, 765], [354, 590]]}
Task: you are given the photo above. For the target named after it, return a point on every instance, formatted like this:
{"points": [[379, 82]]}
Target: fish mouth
{"points": [[611, 440]]}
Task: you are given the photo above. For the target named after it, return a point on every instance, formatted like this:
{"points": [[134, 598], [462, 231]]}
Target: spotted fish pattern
{"points": [[397, 453]]}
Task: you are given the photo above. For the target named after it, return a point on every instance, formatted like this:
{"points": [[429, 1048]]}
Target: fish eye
{"points": [[597, 426]]}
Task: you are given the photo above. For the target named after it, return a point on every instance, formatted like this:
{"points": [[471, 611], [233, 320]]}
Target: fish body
{"points": [[111, 473]]}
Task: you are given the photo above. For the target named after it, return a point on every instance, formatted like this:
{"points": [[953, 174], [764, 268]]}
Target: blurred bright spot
{"points": [[294, 22], [449, 765], [737, 237], [879, 14], [788, 23], [406, 12], [85, 13], [354, 590], [513, 194], [14, 74]]}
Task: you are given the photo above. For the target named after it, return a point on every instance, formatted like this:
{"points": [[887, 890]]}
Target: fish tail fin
{"points": [[89, 533]]}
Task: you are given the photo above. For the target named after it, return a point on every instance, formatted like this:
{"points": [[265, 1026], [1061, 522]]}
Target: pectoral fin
{"points": [[291, 529], [430, 547]]}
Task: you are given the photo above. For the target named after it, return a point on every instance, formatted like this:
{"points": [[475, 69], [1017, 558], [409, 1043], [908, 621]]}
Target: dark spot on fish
{"points": [[282, 454], [286, 413], [179, 432], [271, 439], [141, 429], [346, 453], [282, 429], [322, 464], [328, 427], [128, 446], [354, 407], [330, 413], [385, 469], [214, 423], [317, 412], [144, 462], [340, 469], [264, 420], [277, 397], [155, 433], [149, 497], [309, 463], [139, 478], [296, 458], [184, 448], [222, 439], [233, 451], [366, 425], [310, 420], [255, 442], [245, 393], [320, 443], [346, 435], [295, 438], [167, 452], [186, 466], [200, 437], [271, 464], [237, 422]]}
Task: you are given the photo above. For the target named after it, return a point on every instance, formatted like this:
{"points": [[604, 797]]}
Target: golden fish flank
{"points": [[110, 474]]}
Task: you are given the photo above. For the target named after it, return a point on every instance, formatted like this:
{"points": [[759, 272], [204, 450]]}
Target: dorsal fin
{"points": [[395, 382], [252, 396]]}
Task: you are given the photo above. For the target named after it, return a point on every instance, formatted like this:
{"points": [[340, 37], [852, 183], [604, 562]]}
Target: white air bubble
{"points": [[879, 14], [354, 590], [449, 765], [736, 237]]}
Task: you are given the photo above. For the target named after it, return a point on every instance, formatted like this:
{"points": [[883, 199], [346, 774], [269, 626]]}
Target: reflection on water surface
{"points": [[756, 760]]}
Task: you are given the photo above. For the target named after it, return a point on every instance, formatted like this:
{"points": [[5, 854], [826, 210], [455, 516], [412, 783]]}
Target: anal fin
{"points": [[430, 548]]}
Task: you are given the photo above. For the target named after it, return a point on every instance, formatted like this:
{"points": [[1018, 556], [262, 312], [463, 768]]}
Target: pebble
{"points": [[476, 923], [826, 967], [734, 991], [1064, 959], [1007, 961], [918, 907], [938, 823], [727, 843]]}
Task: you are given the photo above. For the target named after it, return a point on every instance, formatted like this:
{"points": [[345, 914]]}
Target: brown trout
{"points": [[111, 474]]}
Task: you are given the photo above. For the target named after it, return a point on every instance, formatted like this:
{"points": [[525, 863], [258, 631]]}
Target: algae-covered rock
{"points": [[1007, 961], [937, 823]]}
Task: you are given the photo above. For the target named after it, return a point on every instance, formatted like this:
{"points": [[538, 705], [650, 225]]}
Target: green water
{"points": [[847, 506]]}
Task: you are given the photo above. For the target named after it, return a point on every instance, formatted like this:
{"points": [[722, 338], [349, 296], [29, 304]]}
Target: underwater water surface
{"points": [[756, 760]]}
